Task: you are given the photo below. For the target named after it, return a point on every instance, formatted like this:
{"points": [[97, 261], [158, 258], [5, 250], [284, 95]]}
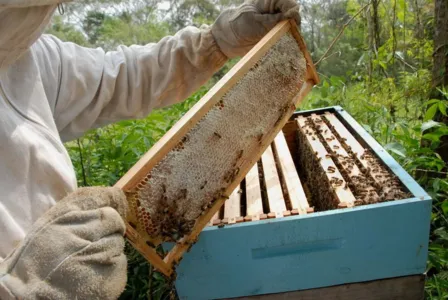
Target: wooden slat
{"points": [[356, 147], [344, 195], [289, 131], [214, 218], [253, 194], [292, 181], [349, 138], [277, 206], [232, 208], [352, 170]]}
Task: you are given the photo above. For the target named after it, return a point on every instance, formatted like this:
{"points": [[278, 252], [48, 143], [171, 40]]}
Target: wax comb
{"points": [[183, 180]]}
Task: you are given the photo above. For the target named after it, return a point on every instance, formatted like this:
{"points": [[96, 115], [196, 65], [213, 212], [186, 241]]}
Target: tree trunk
{"points": [[370, 43], [440, 67], [439, 70], [376, 24], [313, 50]]}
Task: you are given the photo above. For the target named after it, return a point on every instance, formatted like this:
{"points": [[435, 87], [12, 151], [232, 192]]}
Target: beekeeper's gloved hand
{"points": [[237, 30], [74, 251]]}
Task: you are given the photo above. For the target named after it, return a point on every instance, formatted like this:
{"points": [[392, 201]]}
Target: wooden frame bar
{"points": [[279, 174], [277, 205], [232, 208], [215, 219], [342, 156], [253, 195], [297, 197], [189, 120], [355, 146], [345, 196]]}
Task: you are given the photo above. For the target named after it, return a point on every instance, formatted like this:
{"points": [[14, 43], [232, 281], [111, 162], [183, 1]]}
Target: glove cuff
{"points": [[224, 35], [5, 292], [211, 46]]}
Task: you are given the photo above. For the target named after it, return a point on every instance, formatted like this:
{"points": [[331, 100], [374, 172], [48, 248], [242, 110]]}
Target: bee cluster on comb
{"points": [[314, 164], [338, 170]]}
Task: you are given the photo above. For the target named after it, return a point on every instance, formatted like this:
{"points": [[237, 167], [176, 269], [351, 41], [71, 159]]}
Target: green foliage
{"points": [[66, 31], [136, 28], [197, 12]]}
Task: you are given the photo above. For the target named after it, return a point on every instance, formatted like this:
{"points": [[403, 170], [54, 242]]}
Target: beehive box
{"points": [[325, 205]]}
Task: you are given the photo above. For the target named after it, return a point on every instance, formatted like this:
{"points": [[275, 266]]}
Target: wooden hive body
{"points": [[296, 238], [182, 181]]}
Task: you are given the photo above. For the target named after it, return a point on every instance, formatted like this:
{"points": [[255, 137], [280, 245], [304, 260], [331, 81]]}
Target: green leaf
{"points": [[432, 101], [431, 112], [443, 275], [444, 183], [437, 134], [444, 207], [396, 148], [429, 124], [361, 58], [405, 129], [324, 89], [436, 185], [321, 103], [336, 80], [441, 233], [443, 91], [442, 108]]}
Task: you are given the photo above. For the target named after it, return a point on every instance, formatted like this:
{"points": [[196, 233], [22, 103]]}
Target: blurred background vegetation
{"points": [[381, 71]]}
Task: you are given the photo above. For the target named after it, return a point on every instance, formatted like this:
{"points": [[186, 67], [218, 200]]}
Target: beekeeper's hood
{"points": [[21, 24]]}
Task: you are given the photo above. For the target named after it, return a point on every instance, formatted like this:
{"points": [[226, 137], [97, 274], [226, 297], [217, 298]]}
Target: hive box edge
{"points": [[308, 251]]}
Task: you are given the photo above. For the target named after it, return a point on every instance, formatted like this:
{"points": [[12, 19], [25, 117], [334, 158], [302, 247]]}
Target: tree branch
{"points": [[341, 32]]}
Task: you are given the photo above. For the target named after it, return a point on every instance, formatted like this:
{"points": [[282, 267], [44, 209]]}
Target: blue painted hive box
{"points": [[325, 205]]}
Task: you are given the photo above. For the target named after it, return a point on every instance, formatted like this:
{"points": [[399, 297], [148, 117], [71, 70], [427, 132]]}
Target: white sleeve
{"points": [[93, 88]]}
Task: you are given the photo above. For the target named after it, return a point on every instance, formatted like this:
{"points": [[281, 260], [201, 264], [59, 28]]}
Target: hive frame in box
{"points": [[312, 251], [172, 137]]}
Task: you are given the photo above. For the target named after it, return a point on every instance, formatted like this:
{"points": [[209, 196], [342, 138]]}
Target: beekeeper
{"points": [[58, 241]]}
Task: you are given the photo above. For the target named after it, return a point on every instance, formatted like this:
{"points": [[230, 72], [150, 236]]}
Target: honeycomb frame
{"points": [[175, 138]]}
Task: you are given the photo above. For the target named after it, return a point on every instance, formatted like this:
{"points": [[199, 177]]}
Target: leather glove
{"points": [[74, 251], [237, 30]]}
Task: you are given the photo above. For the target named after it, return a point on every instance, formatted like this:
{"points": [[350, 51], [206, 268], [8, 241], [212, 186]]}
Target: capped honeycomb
{"points": [[191, 177]]}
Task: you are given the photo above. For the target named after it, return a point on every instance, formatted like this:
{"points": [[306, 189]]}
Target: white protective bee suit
{"points": [[58, 241]]}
